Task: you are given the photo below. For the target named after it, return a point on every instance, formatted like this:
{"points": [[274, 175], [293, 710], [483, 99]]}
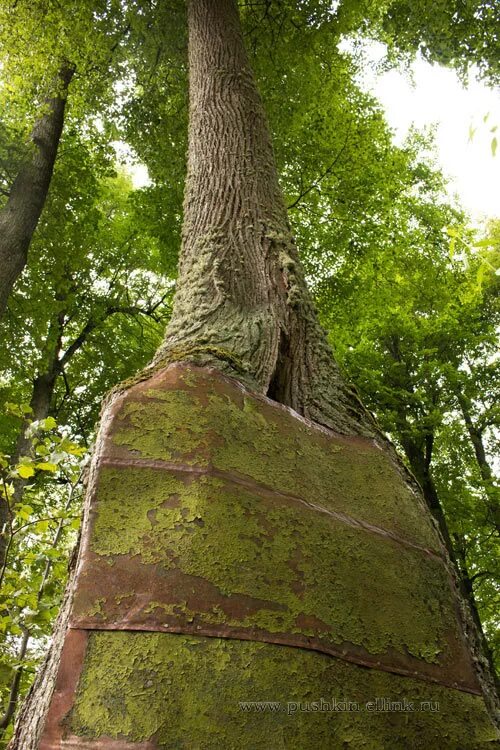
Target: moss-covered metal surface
{"points": [[181, 692], [204, 554], [215, 512], [220, 513], [185, 415]]}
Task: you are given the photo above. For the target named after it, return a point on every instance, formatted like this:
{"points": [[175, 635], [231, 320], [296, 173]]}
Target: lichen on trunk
{"points": [[242, 303]]}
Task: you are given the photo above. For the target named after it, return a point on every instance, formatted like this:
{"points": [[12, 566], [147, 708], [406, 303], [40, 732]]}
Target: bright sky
{"points": [[437, 97]]}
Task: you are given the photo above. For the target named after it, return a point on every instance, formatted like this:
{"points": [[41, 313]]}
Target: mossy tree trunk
{"points": [[242, 309]]}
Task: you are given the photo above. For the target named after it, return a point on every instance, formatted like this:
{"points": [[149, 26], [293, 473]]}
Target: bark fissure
{"points": [[241, 285]]}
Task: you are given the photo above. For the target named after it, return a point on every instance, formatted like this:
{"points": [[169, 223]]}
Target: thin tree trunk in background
{"points": [[468, 586], [19, 217], [420, 464], [491, 490]]}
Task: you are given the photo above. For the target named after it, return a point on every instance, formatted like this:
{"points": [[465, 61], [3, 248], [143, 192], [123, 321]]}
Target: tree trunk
{"points": [[242, 302], [19, 217], [491, 490], [236, 549], [420, 463]]}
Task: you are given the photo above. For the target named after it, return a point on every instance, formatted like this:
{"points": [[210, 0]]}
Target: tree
{"points": [[87, 45], [242, 309], [77, 282], [451, 33], [19, 217]]}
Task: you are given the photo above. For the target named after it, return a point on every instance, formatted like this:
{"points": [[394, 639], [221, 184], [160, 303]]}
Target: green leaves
{"points": [[47, 424], [42, 499], [25, 471], [47, 466]]}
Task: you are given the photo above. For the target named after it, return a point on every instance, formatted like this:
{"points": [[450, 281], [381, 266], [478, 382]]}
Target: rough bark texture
{"points": [[242, 302], [242, 306], [19, 217]]}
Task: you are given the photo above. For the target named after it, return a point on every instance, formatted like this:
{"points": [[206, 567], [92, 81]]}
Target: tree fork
{"points": [[241, 286]]}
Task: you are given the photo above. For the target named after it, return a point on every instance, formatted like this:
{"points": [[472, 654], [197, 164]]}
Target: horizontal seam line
{"points": [[261, 487]]}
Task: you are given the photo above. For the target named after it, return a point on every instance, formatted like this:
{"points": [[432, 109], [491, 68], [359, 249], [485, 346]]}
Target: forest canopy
{"points": [[406, 288]]}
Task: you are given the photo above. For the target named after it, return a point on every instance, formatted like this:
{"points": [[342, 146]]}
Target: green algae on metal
{"points": [[241, 434], [193, 693], [362, 589]]}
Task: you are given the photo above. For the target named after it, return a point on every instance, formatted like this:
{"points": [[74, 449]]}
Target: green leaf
{"points": [[14, 409], [48, 424], [25, 512], [494, 145], [46, 466], [24, 471], [480, 274]]}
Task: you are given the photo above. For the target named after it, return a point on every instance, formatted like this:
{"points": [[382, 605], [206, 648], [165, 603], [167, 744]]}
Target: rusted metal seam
{"points": [[355, 523], [276, 639]]}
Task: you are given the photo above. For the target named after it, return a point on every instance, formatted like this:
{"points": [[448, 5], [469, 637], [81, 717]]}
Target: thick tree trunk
{"points": [[220, 523], [242, 302], [19, 217]]}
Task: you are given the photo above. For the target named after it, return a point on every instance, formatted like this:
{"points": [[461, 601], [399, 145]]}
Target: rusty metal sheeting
{"points": [[132, 589], [70, 668], [54, 736]]}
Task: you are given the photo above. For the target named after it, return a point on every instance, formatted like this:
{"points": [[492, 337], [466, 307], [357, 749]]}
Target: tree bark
{"points": [[242, 302], [19, 217], [491, 490]]}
